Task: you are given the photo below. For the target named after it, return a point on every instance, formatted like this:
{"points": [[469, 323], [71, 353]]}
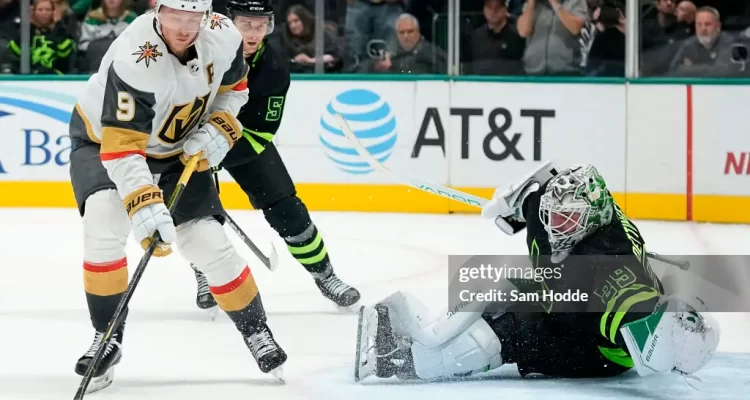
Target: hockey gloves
{"points": [[215, 139], [146, 209]]}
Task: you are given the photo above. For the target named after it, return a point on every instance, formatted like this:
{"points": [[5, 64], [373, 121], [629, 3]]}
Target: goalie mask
{"points": [[574, 204]]}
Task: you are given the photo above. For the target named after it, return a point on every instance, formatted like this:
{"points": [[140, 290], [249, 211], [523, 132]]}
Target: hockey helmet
{"points": [[251, 8], [575, 203], [199, 13]]}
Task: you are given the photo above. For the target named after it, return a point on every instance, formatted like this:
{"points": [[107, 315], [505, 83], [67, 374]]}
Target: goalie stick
{"points": [[444, 191]]}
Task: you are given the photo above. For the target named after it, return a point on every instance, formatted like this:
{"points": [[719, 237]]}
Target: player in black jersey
{"points": [[571, 222], [254, 161]]}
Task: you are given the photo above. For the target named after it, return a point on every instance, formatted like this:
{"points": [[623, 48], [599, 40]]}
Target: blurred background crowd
{"points": [[684, 38]]}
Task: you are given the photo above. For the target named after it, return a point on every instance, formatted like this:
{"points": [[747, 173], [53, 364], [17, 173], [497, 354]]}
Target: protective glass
{"points": [[254, 25], [183, 21]]}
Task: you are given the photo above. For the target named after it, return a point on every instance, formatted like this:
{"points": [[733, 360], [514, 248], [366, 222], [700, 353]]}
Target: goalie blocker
{"points": [[565, 213]]}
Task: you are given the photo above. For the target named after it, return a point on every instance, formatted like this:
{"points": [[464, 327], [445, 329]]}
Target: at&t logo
{"points": [[372, 121]]}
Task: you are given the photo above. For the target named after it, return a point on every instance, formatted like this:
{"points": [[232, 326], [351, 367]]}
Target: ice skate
{"points": [[379, 351], [204, 299], [336, 290], [268, 354], [112, 355]]}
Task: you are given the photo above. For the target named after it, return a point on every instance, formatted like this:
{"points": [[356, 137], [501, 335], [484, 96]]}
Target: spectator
{"points": [[709, 52], [298, 42], [107, 21], [65, 16], [495, 48], [685, 20], [552, 28], [606, 52], [371, 19], [51, 46], [9, 16], [657, 29], [415, 55]]}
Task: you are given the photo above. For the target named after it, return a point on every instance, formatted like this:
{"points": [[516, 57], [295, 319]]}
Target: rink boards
{"points": [[667, 151]]}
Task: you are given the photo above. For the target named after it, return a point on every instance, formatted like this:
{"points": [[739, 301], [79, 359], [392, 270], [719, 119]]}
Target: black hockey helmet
{"points": [[251, 8]]}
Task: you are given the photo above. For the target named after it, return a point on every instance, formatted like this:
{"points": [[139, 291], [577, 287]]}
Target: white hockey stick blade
{"points": [[449, 193]]}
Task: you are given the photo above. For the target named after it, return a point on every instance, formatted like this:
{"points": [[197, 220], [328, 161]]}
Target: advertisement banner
{"points": [[721, 143], [501, 131], [35, 117], [381, 114]]}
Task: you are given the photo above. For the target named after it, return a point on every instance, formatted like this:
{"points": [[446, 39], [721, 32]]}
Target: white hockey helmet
{"points": [[185, 21]]}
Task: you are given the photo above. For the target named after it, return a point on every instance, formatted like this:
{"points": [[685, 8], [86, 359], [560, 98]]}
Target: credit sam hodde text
{"points": [[495, 279]]}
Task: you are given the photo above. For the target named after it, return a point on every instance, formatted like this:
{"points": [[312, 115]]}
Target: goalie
{"points": [[567, 213]]}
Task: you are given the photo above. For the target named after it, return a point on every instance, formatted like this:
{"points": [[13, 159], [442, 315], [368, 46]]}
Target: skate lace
{"points": [[334, 285], [97, 343], [203, 287], [261, 343]]}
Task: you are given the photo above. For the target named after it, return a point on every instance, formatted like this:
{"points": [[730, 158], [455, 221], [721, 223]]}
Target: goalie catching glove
{"points": [[147, 211], [214, 139]]}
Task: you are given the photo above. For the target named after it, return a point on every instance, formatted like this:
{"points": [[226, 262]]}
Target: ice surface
{"points": [[173, 352]]}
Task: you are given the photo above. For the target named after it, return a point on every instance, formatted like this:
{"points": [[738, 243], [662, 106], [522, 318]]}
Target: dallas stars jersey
{"points": [[144, 101]]}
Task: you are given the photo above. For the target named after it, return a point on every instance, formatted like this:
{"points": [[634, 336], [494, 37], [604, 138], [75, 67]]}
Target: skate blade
{"points": [[278, 373], [365, 363], [352, 309], [101, 382], [212, 312]]}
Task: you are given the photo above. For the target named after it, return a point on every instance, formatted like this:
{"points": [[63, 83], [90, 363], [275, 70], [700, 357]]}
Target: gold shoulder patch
{"points": [[147, 53], [218, 21]]}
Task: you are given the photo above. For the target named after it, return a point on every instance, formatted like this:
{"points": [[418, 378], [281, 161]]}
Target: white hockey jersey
{"points": [[144, 102]]}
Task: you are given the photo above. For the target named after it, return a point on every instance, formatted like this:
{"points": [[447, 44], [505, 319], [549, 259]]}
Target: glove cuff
{"points": [[142, 197], [227, 125]]}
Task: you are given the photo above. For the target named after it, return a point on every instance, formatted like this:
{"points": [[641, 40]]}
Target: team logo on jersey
{"points": [[147, 53], [217, 21], [182, 119]]}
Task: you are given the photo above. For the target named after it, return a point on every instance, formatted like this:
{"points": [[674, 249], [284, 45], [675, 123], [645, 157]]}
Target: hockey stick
{"points": [[117, 318], [272, 262], [453, 194]]}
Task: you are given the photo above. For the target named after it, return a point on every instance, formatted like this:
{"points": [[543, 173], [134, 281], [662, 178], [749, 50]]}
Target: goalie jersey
{"points": [[144, 101]]}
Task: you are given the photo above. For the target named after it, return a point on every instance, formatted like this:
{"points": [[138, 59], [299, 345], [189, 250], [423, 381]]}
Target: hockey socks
{"points": [[104, 284], [241, 301], [309, 249]]}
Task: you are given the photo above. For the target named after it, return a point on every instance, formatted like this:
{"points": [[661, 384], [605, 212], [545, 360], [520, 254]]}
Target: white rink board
{"points": [[636, 134], [722, 126]]}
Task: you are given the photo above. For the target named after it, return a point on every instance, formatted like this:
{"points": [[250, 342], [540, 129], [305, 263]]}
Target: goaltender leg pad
{"points": [[473, 350]]}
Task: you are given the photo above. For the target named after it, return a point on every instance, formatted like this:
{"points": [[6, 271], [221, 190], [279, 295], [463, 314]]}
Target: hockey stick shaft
{"points": [[267, 261], [444, 191], [117, 318], [447, 192], [683, 265]]}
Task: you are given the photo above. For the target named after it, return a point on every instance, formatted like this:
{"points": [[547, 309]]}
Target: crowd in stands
{"points": [[703, 38]]}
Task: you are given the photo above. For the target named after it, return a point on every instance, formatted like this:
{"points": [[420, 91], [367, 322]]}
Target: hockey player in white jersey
{"points": [[628, 322], [170, 86]]}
